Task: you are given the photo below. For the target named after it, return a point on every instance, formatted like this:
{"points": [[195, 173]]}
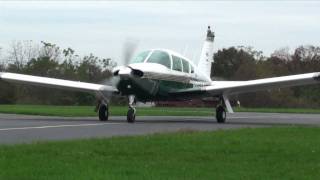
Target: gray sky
{"points": [[102, 28]]}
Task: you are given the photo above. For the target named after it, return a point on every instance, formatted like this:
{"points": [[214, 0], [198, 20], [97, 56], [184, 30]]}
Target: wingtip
{"points": [[317, 77]]}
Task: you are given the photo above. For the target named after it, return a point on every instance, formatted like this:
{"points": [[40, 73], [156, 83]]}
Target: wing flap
{"points": [[55, 83]]}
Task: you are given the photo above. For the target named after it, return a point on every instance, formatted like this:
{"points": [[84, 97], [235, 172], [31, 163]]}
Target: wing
{"points": [[218, 88], [225, 88], [235, 87], [55, 83]]}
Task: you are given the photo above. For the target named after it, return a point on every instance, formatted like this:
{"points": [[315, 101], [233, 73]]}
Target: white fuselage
{"points": [[156, 80]]}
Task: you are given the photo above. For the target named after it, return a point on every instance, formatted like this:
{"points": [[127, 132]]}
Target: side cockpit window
{"points": [[185, 66], [180, 64], [140, 57], [176, 63], [160, 57]]}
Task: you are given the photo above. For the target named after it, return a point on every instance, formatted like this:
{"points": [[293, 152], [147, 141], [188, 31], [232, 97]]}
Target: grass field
{"points": [[141, 111], [263, 153]]}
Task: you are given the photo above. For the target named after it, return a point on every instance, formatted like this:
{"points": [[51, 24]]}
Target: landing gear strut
{"points": [[221, 114], [103, 112], [131, 115]]}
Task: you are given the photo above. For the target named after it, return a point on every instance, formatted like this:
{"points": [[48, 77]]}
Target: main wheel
{"points": [[221, 114], [131, 115], [103, 112]]}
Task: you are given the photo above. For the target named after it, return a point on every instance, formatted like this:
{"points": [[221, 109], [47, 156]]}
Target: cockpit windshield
{"points": [[160, 57], [140, 57]]}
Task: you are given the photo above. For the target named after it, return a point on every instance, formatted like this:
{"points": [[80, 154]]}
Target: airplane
{"points": [[161, 74]]}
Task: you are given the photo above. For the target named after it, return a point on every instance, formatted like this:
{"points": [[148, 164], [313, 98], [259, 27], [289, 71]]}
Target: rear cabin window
{"points": [[176, 63], [160, 57], [192, 68], [185, 65], [140, 57]]}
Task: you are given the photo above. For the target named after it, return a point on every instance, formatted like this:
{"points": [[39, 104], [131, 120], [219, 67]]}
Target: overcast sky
{"points": [[102, 28]]}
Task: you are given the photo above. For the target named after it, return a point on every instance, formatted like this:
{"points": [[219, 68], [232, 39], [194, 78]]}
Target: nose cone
{"points": [[125, 72]]}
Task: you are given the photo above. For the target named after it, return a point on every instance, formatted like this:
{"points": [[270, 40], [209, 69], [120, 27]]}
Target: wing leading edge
{"points": [[55, 83], [218, 88]]}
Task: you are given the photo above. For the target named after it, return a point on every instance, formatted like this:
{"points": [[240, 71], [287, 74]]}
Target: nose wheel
{"points": [[131, 114]]}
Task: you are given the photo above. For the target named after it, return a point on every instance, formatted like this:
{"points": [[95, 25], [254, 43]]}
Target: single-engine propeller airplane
{"points": [[160, 74]]}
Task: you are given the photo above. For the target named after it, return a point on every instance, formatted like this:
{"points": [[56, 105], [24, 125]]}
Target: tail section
{"points": [[206, 58]]}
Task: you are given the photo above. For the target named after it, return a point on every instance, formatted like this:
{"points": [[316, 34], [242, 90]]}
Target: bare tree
{"points": [[307, 53], [22, 51], [282, 53], [258, 55], [52, 51]]}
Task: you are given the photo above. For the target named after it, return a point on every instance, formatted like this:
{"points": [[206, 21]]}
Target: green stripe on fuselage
{"points": [[150, 89]]}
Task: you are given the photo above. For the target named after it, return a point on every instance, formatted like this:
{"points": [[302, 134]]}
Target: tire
{"points": [[131, 115], [221, 114], [103, 112]]}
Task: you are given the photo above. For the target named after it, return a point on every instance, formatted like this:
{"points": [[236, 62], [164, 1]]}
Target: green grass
{"points": [[141, 111], [263, 153]]}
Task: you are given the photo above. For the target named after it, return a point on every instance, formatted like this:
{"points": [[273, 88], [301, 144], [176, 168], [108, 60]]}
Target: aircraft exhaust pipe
{"points": [[127, 71], [137, 73], [116, 73]]}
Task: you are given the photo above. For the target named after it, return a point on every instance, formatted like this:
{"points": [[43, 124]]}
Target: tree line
{"points": [[233, 63], [49, 60], [245, 63]]}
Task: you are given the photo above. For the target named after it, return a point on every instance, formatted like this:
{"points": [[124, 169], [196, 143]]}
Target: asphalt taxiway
{"points": [[26, 129]]}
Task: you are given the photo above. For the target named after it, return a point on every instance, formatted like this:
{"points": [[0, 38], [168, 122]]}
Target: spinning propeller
{"points": [[129, 48]]}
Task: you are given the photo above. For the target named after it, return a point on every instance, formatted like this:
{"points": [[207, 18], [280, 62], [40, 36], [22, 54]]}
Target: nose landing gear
{"points": [[131, 114]]}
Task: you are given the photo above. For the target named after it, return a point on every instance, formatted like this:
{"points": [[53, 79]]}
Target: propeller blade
{"points": [[128, 50], [111, 81]]}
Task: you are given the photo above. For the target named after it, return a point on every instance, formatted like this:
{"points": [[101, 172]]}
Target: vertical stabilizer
{"points": [[206, 58]]}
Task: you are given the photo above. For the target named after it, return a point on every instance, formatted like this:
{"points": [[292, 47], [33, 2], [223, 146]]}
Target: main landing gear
{"points": [[131, 114], [103, 111], [221, 114]]}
